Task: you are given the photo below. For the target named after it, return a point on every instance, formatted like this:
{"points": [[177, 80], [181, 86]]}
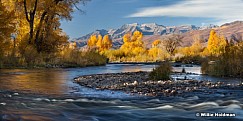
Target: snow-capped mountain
{"points": [[152, 31], [147, 29]]}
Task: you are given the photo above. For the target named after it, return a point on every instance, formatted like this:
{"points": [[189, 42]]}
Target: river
{"points": [[51, 94]]}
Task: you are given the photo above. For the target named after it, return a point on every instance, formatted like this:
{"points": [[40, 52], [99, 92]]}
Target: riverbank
{"points": [[139, 83], [51, 66], [70, 59], [145, 63], [174, 64]]}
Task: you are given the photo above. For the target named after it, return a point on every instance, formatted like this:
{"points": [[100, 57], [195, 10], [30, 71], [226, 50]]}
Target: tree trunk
{"points": [[30, 17]]}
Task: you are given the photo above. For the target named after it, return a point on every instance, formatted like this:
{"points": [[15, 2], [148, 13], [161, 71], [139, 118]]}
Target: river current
{"points": [[51, 94]]}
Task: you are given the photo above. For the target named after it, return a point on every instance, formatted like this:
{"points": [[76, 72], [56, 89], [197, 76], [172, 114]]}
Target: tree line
{"points": [[134, 49], [219, 56]]}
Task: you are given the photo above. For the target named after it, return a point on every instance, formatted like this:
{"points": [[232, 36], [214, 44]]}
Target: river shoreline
{"points": [[139, 83], [90, 65], [50, 66]]}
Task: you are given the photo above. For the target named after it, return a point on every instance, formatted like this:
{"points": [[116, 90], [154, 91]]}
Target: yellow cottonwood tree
{"points": [[92, 41], [107, 42], [222, 44], [156, 43], [155, 51], [43, 19], [7, 27], [216, 44], [195, 49], [127, 37], [213, 42], [102, 44], [137, 36], [99, 42], [133, 45]]}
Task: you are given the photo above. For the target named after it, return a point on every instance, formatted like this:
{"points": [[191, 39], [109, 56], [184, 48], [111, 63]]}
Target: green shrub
{"points": [[229, 64], [162, 72]]}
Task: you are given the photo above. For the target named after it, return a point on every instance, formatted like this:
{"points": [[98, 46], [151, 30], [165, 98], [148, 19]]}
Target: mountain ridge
{"points": [[152, 31]]}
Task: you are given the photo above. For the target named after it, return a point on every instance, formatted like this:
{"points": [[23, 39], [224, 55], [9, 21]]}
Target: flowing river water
{"points": [[51, 94]]}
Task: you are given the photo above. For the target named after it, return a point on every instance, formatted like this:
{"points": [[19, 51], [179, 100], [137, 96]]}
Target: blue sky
{"points": [[107, 14]]}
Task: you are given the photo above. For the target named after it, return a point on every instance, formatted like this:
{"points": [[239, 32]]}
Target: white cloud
{"points": [[221, 10]]}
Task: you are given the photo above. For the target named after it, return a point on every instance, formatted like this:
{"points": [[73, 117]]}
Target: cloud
{"points": [[220, 10]]}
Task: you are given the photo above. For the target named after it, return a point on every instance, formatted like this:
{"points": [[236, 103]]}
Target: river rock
{"points": [[139, 82]]}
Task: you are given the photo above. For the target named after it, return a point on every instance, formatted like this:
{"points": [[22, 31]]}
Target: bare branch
{"points": [[83, 12], [26, 11], [35, 7], [84, 2], [172, 42]]}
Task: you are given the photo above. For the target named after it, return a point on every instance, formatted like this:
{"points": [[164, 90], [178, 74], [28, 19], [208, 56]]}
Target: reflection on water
{"points": [[56, 81], [35, 81]]}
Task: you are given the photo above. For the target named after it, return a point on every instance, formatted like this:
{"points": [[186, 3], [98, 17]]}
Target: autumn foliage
{"points": [[225, 57], [133, 44], [30, 34], [99, 43], [216, 44]]}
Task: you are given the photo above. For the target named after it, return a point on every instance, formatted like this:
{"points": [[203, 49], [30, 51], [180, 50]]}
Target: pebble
{"points": [[135, 83], [68, 100], [9, 96], [47, 100], [3, 103], [138, 82]]}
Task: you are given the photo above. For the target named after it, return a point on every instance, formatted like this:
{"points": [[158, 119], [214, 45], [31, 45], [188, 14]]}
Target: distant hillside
{"points": [[232, 30], [153, 31]]}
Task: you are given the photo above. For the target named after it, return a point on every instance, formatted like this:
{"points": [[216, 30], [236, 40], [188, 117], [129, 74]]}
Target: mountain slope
{"points": [[153, 31]]}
